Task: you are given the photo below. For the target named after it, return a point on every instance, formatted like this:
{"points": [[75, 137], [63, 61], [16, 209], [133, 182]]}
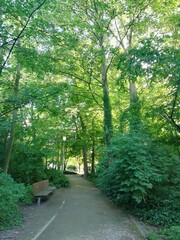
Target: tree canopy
{"points": [[102, 74]]}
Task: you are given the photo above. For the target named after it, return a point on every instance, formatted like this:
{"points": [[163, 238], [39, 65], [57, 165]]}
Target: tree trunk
{"points": [[1, 49], [13, 123], [84, 149], [135, 115], [133, 92], [108, 127], [93, 156], [93, 146], [3, 141], [58, 155]]}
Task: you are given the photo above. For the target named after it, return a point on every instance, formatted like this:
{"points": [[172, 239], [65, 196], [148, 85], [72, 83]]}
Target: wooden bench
{"points": [[41, 190]]}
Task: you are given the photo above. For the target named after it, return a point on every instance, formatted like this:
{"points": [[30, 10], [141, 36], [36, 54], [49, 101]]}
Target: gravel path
{"points": [[79, 213]]}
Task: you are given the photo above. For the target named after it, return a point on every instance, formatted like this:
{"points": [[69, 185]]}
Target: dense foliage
{"points": [[81, 76], [57, 178], [28, 166], [10, 194], [142, 175], [137, 168]]}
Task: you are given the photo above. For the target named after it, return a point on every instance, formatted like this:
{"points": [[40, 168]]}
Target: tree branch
{"points": [[20, 34]]}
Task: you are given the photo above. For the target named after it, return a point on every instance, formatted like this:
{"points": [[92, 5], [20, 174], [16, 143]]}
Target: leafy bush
{"points": [[10, 193], [57, 178], [28, 195], [128, 170], [153, 236], [158, 213], [143, 176], [172, 233], [27, 165], [93, 178]]}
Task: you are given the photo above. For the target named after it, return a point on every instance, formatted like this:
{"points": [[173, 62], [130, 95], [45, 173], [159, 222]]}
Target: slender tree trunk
{"points": [[58, 155], [135, 108], [3, 142], [1, 57], [93, 147], [84, 149], [135, 115], [93, 156], [108, 127], [133, 92], [1, 49], [62, 155], [13, 123]]}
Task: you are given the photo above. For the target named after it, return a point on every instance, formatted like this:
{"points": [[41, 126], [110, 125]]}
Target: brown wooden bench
{"points": [[42, 190]]}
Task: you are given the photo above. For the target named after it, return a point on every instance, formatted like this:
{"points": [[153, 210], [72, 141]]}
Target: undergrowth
{"points": [[10, 194], [57, 178], [142, 176]]}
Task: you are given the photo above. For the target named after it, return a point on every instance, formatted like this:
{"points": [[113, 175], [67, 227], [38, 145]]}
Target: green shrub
{"points": [[153, 236], [172, 233], [158, 213], [128, 171], [10, 193], [57, 178], [28, 195], [27, 165], [93, 178], [143, 176]]}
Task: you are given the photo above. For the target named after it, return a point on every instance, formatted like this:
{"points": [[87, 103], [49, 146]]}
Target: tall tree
{"points": [[11, 138]]}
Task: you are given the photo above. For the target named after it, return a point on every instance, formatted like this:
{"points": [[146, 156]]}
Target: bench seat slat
{"points": [[52, 188], [43, 193]]}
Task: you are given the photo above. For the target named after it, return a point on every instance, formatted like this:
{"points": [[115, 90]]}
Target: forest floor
{"points": [[80, 212]]}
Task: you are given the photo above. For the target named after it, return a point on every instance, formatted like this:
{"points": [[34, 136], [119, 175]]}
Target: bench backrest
{"points": [[40, 186], [46, 184]]}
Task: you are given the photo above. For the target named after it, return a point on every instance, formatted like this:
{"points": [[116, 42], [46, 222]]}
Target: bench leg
{"points": [[39, 201]]}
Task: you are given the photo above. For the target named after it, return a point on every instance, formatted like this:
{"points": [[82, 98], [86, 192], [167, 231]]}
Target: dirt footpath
{"points": [[81, 212]]}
